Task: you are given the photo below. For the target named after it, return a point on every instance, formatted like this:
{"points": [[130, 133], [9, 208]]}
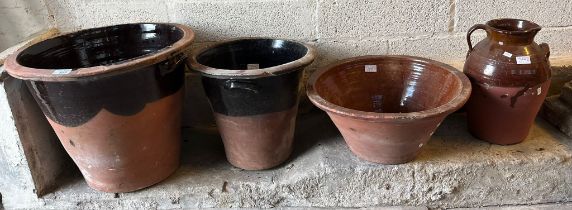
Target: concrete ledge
{"points": [[453, 170], [553, 206]]}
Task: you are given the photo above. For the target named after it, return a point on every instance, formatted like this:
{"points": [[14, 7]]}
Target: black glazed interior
{"points": [[238, 54], [99, 46]]}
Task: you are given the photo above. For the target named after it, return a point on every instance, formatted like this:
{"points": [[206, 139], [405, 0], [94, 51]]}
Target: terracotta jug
{"points": [[510, 75]]}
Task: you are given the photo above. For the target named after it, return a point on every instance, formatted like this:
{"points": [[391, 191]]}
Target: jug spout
{"points": [[512, 30]]}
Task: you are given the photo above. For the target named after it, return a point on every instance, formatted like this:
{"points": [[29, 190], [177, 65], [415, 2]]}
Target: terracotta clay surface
{"points": [[510, 74], [387, 107], [252, 85], [268, 142], [132, 152], [114, 97]]}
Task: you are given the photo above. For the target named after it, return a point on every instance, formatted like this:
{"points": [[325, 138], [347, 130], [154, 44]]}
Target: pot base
{"points": [[126, 153], [260, 141], [504, 115], [385, 143]]}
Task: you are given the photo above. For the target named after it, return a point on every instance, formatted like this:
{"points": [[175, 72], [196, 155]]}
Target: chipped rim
{"points": [[19, 71], [463, 93], [208, 71]]}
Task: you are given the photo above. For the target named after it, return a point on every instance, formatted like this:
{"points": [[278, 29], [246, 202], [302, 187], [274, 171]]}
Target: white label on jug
{"points": [[501, 43], [370, 68], [62, 71], [252, 66], [522, 59], [507, 54]]}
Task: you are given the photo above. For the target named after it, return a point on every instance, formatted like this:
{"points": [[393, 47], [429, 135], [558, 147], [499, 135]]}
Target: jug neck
{"points": [[512, 31]]}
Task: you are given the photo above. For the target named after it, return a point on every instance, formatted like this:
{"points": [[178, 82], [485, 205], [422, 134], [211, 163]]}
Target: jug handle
{"points": [[171, 63], [235, 84], [470, 32], [546, 50]]}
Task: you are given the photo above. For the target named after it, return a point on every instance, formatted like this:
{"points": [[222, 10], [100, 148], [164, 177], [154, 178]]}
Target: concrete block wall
{"points": [[20, 19], [339, 28]]}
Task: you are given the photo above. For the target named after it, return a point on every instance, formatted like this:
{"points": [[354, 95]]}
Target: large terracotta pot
{"points": [[252, 85], [387, 107], [113, 95], [510, 75]]}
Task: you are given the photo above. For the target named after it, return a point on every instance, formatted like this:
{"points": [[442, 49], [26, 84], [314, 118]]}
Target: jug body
{"points": [[510, 75]]}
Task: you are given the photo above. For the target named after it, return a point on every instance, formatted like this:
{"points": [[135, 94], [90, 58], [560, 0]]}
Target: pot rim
{"points": [[535, 26], [19, 71], [454, 104], [208, 71]]}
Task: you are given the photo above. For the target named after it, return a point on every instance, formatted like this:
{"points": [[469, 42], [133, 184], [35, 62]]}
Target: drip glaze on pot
{"points": [[253, 88], [72, 103], [252, 96]]}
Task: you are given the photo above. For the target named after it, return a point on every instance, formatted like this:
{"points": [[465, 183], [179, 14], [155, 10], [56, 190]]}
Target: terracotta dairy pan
{"points": [[387, 107], [113, 95], [252, 85], [510, 74]]}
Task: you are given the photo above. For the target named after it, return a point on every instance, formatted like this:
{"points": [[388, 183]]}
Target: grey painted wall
{"points": [[20, 19]]}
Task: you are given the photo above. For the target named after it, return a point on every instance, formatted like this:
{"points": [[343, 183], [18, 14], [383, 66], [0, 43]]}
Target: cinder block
{"points": [[32, 160], [16, 182], [560, 76], [21, 19], [332, 50], [217, 20], [558, 113], [373, 18], [559, 39], [566, 93], [71, 15], [445, 48], [545, 13]]}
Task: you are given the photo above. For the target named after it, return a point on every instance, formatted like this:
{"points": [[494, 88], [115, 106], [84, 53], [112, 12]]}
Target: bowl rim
{"points": [[15, 69], [454, 104], [208, 71]]}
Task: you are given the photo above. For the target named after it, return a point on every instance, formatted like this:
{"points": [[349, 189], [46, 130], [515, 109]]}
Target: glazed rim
{"points": [[19, 71], [464, 91], [533, 26], [251, 73]]}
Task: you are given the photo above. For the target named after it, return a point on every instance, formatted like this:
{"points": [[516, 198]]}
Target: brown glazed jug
{"points": [[510, 75]]}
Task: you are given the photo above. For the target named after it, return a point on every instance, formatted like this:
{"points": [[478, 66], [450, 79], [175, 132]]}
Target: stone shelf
{"points": [[453, 170]]}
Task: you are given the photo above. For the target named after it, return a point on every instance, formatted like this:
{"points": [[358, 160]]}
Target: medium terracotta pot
{"points": [[387, 107], [252, 85], [114, 97], [510, 74]]}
